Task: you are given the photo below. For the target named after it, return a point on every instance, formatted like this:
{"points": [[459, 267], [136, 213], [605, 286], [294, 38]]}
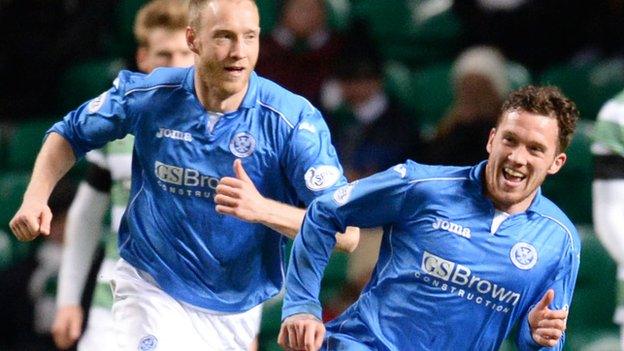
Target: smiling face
{"points": [[226, 43], [523, 150]]}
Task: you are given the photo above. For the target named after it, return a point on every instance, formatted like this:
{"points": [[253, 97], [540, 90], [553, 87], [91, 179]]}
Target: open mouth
{"points": [[513, 175], [234, 69]]}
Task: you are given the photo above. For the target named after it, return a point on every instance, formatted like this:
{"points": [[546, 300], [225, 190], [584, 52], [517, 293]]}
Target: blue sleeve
{"points": [[97, 121], [370, 202], [310, 160], [563, 286]]}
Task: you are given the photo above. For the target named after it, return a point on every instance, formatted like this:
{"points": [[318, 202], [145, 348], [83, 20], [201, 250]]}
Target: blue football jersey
{"points": [[443, 280], [171, 229]]}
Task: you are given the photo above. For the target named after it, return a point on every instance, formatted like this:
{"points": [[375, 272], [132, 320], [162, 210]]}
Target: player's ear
{"points": [[191, 39], [141, 59], [488, 146], [557, 163]]}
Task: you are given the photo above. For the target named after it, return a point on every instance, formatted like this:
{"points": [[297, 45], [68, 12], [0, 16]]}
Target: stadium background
{"points": [[56, 54]]}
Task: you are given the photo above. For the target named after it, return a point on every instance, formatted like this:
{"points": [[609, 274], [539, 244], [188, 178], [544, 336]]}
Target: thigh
{"points": [[221, 331], [99, 334], [145, 317]]}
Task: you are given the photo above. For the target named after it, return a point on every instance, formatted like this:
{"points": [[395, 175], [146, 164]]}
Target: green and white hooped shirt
{"points": [[116, 157]]}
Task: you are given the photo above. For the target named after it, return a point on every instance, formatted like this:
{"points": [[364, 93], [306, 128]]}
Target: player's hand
{"points": [[547, 326], [238, 196], [301, 332], [31, 220], [67, 326]]}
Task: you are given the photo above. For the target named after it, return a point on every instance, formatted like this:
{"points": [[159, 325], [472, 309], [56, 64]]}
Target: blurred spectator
{"points": [[300, 53], [370, 130], [608, 191], [28, 289], [480, 84]]}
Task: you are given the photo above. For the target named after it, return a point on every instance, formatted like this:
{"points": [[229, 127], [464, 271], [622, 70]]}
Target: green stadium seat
{"points": [[12, 187], [605, 81], [518, 75], [335, 276], [86, 81], [269, 14], [589, 85], [270, 323], [434, 94], [25, 142], [6, 131], [591, 313], [124, 44], [413, 32], [570, 188]]}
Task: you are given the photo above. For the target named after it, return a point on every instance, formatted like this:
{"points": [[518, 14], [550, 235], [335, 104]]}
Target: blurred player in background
{"points": [[467, 253], [200, 244], [608, 191], [160, 31]]}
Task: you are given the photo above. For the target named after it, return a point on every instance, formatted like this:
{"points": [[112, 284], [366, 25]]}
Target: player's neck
{"points": [[216, 100]]}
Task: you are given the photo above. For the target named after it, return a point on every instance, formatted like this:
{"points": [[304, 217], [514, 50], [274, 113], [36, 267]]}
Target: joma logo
{"points": [[451, 227]]}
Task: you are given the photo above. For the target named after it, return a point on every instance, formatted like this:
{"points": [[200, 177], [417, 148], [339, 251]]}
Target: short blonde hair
{"points": [[195, 8], [168, 14]]}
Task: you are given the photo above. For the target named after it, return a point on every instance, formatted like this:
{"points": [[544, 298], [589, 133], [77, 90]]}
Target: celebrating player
{"points": [[209, 140], [467, 252]]}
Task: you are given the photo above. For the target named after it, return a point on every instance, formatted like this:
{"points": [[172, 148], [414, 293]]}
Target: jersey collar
{"points": [[250, 96]]}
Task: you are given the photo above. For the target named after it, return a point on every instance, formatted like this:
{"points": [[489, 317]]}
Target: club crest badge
{"points": [[523, 255], [148, 343], [242, 144]]}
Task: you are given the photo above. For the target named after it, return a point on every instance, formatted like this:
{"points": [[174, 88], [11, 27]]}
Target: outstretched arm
{"points": [[34, 216], [371, 202], [237, 196]]}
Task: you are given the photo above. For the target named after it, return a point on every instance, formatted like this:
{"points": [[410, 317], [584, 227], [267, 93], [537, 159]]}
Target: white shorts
{"points": [[146, 318], [100, 332]]}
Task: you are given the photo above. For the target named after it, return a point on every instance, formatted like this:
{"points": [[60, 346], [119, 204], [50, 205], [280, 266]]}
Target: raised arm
{"points": [[34, 216], [371, 202]]}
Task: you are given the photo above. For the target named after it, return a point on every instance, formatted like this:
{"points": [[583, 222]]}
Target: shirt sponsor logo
{"points": [[523, 255], [452, 227], [242, 144], [321, 177], [342, 195], [459, 279], [96, 104], [185, 181], [173, 134]]}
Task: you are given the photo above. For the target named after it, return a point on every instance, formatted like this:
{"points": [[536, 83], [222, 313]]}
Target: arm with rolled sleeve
{"points": [[90, 126], [563, 287], [370, 202]]}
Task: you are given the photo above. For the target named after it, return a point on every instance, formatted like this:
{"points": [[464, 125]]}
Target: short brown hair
{"points": [[167, 14], [546, 101], [195, 7]]}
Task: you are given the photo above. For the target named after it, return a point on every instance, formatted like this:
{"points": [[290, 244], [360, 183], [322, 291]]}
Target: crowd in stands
{"points": [[419, 79]]}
